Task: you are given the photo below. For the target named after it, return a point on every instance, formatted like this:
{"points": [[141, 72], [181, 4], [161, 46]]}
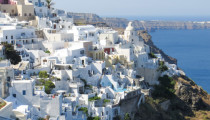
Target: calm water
{"points": [[192, 50]]}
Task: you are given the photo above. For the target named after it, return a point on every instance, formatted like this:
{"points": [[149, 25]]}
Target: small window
{"points": [[29, 14], [11, 37], [14, 95], [6, 37], [8, 79], [24, 92], [25, 14], [82, 52], [23, 34]]}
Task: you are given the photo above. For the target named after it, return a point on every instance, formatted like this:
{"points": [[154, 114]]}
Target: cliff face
{"points": [[190, 102], [148, 40], [141, 25]]}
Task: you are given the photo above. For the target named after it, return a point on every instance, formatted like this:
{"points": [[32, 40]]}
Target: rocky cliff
{"points": [[89, 18], [189, 102], [148, 40]]}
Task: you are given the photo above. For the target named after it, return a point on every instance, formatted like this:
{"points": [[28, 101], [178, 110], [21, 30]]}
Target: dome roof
{"points": [[130, 27]]}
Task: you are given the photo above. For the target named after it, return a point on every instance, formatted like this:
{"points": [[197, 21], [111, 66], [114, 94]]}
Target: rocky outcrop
{"points": [[190, 102], [194, 96]]}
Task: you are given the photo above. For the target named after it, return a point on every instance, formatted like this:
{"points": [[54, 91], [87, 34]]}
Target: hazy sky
{"points": [[137, 7]]}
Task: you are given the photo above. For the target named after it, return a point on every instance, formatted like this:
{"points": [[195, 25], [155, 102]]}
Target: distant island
{"points": [[89, 18]]}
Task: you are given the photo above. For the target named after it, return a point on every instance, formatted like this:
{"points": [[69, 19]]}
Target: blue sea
{"points": [[192, 50], [167, 18]]}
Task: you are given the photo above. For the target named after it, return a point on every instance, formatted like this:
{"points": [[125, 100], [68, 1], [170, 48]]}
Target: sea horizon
{"points": [[163, 18]]}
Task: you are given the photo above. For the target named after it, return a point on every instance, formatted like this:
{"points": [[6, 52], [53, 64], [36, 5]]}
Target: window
{"points": [[22, 34], [36, 3], [25, 14], [14, 95], [13, 11], [24, 92], [8, 79], [6, 37], [4, 11], [42, 3], [29, 14], [11, 37], [82, 52]]}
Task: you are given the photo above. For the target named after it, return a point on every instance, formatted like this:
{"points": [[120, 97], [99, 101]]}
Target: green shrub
{"points": [[94, 98], [47, 51], [93, 118], [127, 117], [11, 54], [43, 74], [152, 55], [84, 109], [162, 68], [49, 85], [106, 101], [165, 89]]}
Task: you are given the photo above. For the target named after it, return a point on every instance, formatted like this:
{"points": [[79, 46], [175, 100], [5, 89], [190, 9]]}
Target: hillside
{"points": [[183, 101], [189, 102]]}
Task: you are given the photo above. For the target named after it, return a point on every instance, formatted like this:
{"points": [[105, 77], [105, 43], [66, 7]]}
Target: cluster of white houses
{"points": [[95, 71]]}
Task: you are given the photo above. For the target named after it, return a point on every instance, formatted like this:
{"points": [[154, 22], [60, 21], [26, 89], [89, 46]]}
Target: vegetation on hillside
{"points": [[165, 90], [162, 67], [152, 55]]}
